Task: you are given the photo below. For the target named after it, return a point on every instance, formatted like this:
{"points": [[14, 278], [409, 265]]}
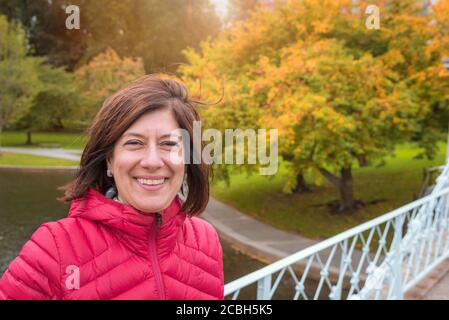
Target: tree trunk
{"points": [[1, 124], [301, 185], [346, 190], [345, 187], [58, 125], [29, 142]]}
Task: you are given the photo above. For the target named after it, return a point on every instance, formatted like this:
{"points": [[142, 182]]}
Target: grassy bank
{"points": [[382, 188], [43, 140], [17, 159]]}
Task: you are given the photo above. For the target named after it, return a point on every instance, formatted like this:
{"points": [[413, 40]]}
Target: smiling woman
{"points": [[141, 164], [132, 230]]}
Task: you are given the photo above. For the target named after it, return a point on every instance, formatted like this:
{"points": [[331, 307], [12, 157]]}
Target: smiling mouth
{"points": [[151, 182]]}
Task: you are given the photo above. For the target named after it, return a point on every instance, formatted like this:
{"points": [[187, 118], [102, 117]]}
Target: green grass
{"points": [[17, 159], [383, 188], [43, 139]]}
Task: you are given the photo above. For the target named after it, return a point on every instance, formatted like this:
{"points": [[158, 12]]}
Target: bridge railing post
{"points": [[397, 285], [345, 261], [264, 288]]}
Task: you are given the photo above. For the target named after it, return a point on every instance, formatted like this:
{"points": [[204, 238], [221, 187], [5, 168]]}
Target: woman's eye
{"points": [[170, 143], [133, 142]]}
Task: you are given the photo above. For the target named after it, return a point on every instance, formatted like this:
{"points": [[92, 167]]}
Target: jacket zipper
{"points": [[154, 259]]}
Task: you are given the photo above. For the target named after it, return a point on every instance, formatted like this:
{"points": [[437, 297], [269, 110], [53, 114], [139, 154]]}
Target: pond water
{"points": [[28, 199]]}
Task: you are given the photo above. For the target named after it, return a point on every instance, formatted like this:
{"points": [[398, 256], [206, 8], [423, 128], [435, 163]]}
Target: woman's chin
{"points": [[151, 208]]}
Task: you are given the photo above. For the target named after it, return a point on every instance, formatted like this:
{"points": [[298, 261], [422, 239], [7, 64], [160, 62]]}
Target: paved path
{"points": [[434, 286], [256, 237], [54, 153], [440, 291]]}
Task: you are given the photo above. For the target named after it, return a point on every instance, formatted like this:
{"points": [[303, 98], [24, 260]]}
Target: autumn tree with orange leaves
{"points": [[340, 94]]}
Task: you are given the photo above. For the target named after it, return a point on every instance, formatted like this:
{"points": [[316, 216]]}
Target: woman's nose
{"points": [[152, 159]]}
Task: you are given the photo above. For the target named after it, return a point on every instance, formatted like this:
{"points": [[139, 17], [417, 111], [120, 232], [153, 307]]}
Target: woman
{"points": [[131, 232]]}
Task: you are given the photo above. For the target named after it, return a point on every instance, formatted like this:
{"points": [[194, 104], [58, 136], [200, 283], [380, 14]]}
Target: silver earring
{"points": [[109, 173], [111, 193], [183, 192]]}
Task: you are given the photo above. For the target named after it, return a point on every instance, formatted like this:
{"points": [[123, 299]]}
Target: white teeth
{"points": [[151, 182]]}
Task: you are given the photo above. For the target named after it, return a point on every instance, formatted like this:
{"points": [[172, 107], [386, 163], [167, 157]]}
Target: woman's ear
{"points": [[109, 161], [109, 166]]}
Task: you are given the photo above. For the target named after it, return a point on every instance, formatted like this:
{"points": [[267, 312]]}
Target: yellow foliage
{"points": [[106, 73]]}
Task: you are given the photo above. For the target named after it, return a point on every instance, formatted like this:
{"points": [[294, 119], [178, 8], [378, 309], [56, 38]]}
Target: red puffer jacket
{"points": [[107, 250]]}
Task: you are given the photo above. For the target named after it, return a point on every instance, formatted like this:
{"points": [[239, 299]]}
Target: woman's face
{"points": [[146, 171]]}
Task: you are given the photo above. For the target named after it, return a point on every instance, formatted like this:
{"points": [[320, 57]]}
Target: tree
{"points": [[18, 74], [157, 31], [228, 62], [57, 101], [342, 95], [44, 23], [412, 41], [334, 110], [432, 82], [103, 75]]}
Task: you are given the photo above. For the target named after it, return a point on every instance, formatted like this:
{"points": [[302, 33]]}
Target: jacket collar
{"points": [[132, 222]]}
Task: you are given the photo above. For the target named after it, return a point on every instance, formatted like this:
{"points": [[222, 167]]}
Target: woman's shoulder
{"points": [[202, 226], [70, 234], [68, 227], [201, 235]]}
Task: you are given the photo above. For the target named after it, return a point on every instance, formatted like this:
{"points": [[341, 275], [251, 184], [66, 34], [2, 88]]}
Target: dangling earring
{"points": [[184, 191], [111, 193]]}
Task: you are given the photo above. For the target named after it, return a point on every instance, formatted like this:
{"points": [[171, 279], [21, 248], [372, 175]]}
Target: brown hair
{"points": [[117, 114]]}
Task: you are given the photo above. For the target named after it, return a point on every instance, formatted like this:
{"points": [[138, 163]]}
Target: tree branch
{"points": [[330, 176]]}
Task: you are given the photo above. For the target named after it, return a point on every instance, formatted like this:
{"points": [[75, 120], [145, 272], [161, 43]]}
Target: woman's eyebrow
{"points": [[170, 135], [139, 135], [134, 134]]}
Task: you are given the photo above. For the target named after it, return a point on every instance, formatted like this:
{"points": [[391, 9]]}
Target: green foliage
{"points": [[18, 74], [57, 102], [33, 95], [44, 23], [155, 30]]}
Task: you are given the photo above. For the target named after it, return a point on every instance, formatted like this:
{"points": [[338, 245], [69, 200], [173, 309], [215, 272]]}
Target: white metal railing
{"points": [[380, 259]]}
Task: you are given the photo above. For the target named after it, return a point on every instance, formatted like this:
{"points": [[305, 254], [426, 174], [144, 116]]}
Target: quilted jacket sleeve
{"points": [[35, 273]]}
